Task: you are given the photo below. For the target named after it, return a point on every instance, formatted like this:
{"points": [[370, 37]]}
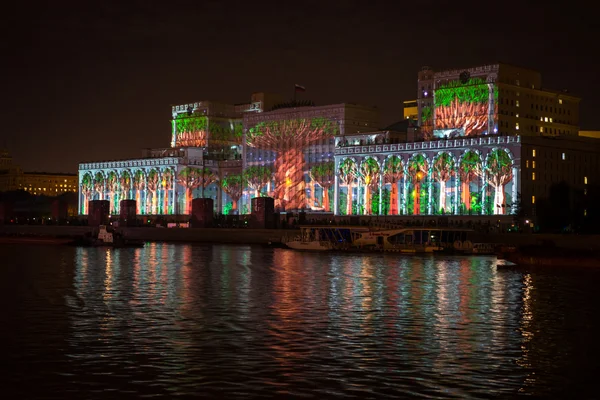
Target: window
{"points": [[585, 180], [564, 156], [584, 212], [533, 153], [541, 129], [559, 101], [517, 104], [533, 176], [532, 199], [518, 94], [546, 119], [550, 119], [517, 126], [526, 163], [533, 164], [517, 82], [517, 115]]}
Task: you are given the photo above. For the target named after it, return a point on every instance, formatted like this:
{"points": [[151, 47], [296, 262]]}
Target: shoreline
{"points": [[248, 236]]}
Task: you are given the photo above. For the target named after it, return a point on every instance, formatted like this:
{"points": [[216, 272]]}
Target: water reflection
{"points": [[236, 321]]}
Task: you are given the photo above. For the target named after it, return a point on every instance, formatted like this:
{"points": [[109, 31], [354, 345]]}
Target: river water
{"points": [[244, 322]]}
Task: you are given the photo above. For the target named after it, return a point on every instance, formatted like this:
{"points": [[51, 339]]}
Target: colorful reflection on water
{"points": [[240, 321]]}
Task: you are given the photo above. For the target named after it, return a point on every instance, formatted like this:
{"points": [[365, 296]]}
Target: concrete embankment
{"points": [[264, 236], [209, 235]]}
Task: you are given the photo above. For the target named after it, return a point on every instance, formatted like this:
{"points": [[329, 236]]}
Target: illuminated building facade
{"points": [[463, 176], [495, 99], [293, 150], [490, 175], [231, 153], [13, 178], [468, 156]]}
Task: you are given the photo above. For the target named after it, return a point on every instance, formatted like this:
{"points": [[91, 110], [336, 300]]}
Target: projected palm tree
{"points": [[152, 186], [233, 186], [87, 188], [167, 185], [113, 186], [417, 168], [499, 173], [469, 171], [139, 184], [126, 184], [323, 175], [369, 175], [443, 171], [289, 138], [348, 172], [393, 171], [99, 185], [257, 177], [190, 178]]}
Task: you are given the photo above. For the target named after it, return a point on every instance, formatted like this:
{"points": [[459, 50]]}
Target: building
{"points": [[492, 99], [230, 153], [490, 141], [13, 178], [591, 134], [493, 175], [411, 109]]}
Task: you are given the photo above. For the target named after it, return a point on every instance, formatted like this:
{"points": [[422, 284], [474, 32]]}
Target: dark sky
{"points": [[86, 82]]}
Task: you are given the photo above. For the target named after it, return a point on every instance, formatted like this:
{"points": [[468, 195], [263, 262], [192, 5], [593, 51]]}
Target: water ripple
{"points": [[239, 322]]}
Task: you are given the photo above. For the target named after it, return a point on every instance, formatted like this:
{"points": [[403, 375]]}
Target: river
{"points": [[177, 320]]}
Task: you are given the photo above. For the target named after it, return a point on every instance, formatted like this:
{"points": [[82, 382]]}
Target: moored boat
{"points": [[106, 237]]}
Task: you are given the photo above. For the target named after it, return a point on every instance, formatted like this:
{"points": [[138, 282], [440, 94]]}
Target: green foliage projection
{"points": [[474, 91], [125, 181], [348, 172], [499, 167], [385, 206], [87, 183], [293, 128], [233, 185], [257, 176], [426, 113], [190, 124]]}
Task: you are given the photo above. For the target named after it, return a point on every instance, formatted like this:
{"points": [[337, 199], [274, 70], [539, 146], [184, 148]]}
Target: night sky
{"points": [[87, 82]]}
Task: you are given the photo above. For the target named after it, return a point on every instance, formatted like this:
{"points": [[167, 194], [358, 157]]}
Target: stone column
{"points": [[457, 193], [483, 191], [381, 183], [336, 188], [429, 192], [515, 182], [404, 194]]}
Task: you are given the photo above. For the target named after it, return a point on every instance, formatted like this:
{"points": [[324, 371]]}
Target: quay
{"points": [[248, 236]]}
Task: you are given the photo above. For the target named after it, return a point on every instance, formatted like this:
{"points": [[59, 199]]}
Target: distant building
{"points": [[411, 110], [497, 99], [591, 134], [13, 178]]}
